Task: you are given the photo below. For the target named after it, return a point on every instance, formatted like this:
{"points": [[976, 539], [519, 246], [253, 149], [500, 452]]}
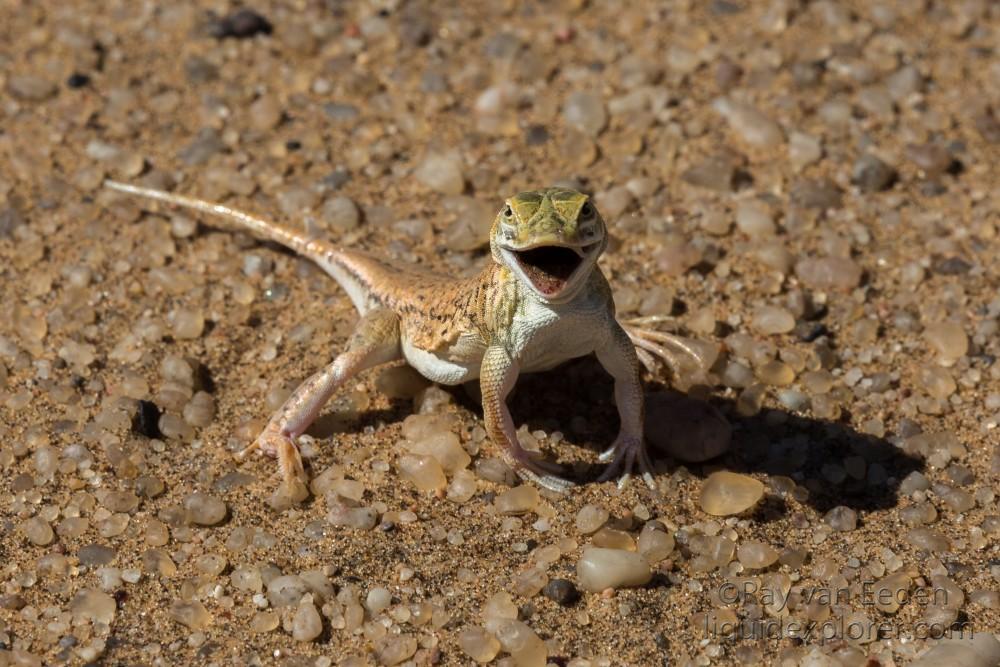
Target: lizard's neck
{"points": [[502, 296]]}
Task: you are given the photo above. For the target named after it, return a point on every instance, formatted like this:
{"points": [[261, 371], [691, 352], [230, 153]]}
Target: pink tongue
{"points": [[545, 282]]}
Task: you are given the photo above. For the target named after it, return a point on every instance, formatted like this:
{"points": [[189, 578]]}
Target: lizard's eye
{"points": [[586, 211], [507, 212]]}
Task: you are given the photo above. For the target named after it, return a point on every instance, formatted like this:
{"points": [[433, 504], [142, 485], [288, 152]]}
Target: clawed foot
{"points": [[276, 444], [626, 455], [542, 473], [649, 343]]}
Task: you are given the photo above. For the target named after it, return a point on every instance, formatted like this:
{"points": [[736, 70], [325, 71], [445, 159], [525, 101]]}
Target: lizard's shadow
{"points": [[835, 463]]}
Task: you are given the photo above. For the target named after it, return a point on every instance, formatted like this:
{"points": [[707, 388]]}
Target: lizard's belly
{"points": [[455, 364]]}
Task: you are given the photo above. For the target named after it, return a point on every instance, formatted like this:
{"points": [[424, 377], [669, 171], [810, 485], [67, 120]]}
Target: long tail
{"points": [[315, 249]]}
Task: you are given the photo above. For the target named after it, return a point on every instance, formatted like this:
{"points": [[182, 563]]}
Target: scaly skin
{"points": [[542, 301]]}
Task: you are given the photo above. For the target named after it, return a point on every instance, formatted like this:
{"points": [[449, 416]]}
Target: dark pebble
{"points": [[952, 266], [147, 486], [988, 126], [96, 554], [13, 602], [932, 188], [536, 135], [872, 174], [959, 474], [146, 420], [339, 177], [820, 193], [233, 480], [727, 75], [10, 218], [415, 29], [204, 146], [725, 7], [561, 591], [714, 173], [68, 641], [805, 75], [241, 24], [198, 70], [77, 80], [808, 332]]}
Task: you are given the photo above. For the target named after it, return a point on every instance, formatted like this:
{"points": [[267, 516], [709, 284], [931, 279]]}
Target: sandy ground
{"points": [[808, 186]]}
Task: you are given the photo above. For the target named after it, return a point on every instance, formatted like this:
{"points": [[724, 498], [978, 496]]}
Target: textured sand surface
{"points": [[808, 188]]}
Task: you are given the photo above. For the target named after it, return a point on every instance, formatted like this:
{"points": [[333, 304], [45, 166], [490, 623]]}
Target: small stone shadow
{"points": [[836, 464], [330, 424]]}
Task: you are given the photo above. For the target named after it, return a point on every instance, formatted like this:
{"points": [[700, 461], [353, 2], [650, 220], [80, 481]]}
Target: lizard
{"points": [[541, 300]]}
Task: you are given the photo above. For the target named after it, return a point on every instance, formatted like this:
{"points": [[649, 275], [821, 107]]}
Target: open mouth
{"points": [[548, 268]]}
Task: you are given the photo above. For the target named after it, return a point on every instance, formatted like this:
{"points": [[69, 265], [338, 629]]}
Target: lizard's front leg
{"points": [[375, 341], [618, 356], [497, 377]]}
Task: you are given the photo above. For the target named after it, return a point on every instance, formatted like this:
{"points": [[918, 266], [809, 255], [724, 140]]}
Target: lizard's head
{"points": [[550, 239]]}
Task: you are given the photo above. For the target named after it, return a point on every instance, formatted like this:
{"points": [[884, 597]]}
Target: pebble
{"points": [[828, 273], [590, 518], [38, 531], [201, 149], [92, 605], [714, 173], [654, 543], [948, 340], [445, 448], [498, 609], [842, 518], [754, 219], [395, 649], [561, 591], [204, 509], [600, 568], [478, 644], [93, 555], [803, 150], [933, 159], [340, 214], [265, 113], [749, 123], [776, 373], [585, 112], [191, 614], [980, 649], [727, 493], [424, 472], [186, 323], [769, 320], [30, 88], [525, 647], [360, 518], [928, 539], [871, 174], [306, 624], [819, 194], [442, 172], [756, 555], [240, 24], [519, 500]]}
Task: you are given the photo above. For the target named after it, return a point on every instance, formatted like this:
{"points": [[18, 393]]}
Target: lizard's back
{"points": [[441, 331]]}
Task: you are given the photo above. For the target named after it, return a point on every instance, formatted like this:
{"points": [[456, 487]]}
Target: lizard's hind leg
{"points": [[375, 341], [651, 344]]}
